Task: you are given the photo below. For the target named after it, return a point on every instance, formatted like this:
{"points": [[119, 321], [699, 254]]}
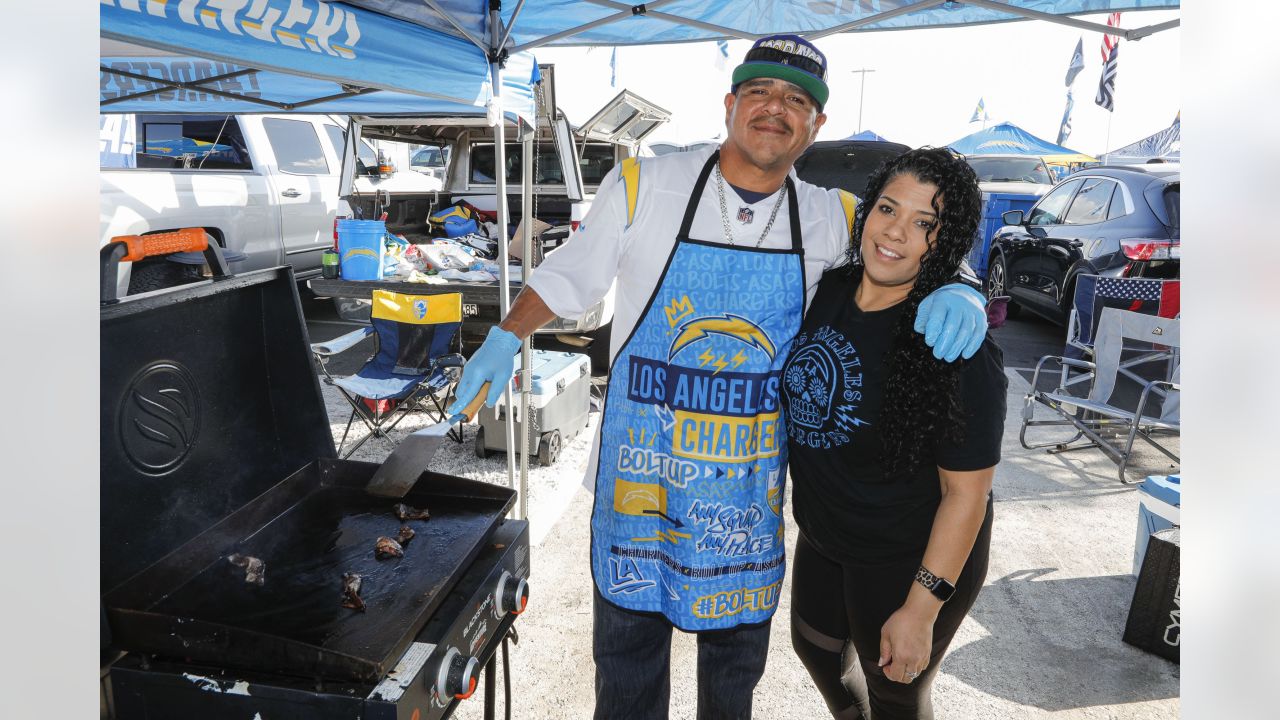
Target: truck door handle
{"points": [[291, 193]]}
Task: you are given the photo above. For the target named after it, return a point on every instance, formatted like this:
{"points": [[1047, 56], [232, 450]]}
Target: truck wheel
{"points": [[481, 451], [997, 283], [549, 449], [160, 274]]}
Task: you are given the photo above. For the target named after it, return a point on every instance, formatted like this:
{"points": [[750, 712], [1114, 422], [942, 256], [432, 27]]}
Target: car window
{"points": [[596, 161], [992, 169], [195, 142], [430, 156], [1052, 207], [296, 146], [366, 157], [1090, 204], [1173, 204], [1117, 208]]}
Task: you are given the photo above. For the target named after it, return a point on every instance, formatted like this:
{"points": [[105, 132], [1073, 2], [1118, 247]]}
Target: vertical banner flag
{"points": [[613, 68], [980, 112], [722, 54], [1110, 56], [1065, 130], [1077, 62]]}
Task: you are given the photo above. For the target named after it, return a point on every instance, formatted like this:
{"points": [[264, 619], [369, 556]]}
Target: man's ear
{"points": [[818, 122], [729, 99]]}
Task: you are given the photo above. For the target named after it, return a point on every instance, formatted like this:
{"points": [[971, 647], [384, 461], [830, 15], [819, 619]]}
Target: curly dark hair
{"points": [[922, 394]]}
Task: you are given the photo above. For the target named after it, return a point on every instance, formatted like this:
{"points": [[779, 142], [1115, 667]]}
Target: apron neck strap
{"points": [[698, 187], [793, 205]]}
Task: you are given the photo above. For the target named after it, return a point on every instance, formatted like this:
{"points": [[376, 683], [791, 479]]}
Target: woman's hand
{"points": [[906, 640]]}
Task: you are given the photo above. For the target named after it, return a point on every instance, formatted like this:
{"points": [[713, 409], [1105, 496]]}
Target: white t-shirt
{"points": [[607, 247]]}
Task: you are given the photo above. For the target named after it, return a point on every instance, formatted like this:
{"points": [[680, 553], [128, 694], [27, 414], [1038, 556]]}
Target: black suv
{"points": [[845, 164], [1113, 221]]}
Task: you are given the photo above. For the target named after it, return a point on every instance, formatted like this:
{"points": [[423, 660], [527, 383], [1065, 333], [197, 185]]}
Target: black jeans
{"points": [[836, 615], [633, 666]]}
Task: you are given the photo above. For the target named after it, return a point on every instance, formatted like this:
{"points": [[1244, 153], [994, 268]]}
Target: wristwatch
{"points": [[940, 587]]}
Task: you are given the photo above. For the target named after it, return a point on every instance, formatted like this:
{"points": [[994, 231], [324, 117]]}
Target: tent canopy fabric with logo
{"points": [[1009, 139]]}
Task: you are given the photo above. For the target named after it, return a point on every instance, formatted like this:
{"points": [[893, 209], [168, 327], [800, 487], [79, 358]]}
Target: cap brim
{"points": [[810, 84]]}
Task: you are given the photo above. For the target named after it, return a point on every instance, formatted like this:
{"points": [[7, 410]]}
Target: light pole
{"points": [[862, 87]]}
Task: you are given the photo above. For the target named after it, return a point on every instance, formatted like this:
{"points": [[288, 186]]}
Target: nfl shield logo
{"points": [[746, 215]]}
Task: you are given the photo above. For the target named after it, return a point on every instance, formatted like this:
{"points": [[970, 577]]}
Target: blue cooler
{"points": [[1159, 504], [559, 402], [361, 251], [994, 205]]}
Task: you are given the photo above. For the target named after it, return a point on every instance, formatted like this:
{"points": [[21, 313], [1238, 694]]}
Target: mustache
{"points": [[772, 121]]}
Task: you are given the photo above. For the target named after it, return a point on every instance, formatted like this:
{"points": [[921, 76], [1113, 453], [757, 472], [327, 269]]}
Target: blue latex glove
{"points": [[953, 319], [494, 362]]}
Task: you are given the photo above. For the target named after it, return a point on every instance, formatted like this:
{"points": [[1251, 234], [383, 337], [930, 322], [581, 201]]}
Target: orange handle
{"points": [[144, 246], [474, 406]]}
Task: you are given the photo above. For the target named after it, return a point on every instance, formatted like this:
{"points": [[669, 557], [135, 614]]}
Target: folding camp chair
{"points": [[1093, 414], [413, 363]]}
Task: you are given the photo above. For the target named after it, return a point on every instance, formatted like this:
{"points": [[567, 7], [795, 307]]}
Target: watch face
{"points": [[943, 590]]}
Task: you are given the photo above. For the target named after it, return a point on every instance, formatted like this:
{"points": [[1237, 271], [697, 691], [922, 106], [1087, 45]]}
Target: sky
{"points": [[924, 88]]}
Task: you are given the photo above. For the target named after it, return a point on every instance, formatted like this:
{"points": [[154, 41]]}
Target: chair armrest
{"points": [[341, 343], [1063, 361], [450, 360]]}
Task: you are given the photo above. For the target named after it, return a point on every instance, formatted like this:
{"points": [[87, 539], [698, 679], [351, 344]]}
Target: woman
{"points": [[892, 451]]}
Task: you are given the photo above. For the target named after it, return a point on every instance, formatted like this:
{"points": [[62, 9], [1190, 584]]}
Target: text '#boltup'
{"points": [[312, 25]]}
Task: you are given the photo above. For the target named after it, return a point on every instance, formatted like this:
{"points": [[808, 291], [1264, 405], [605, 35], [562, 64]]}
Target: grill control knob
{"points": [[457, 675], [512, 594]]}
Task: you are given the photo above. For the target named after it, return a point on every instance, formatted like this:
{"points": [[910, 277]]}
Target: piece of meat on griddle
{"points": [[406, 534], [351, 592], [408, 512], [254, 569], [386, 548]]}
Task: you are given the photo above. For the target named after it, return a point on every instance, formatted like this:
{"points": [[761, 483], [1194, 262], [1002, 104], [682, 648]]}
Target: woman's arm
{"points": [[907, 637]]}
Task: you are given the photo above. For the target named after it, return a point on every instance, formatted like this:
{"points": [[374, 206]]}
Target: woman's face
{"points": [[899, 229]]}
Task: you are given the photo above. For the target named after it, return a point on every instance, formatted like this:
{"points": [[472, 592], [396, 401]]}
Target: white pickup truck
{"points": [[266, 187]]}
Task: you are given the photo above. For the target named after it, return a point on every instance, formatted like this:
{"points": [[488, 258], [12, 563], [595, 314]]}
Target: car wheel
{"points": [[997, 283], [160, 274]]}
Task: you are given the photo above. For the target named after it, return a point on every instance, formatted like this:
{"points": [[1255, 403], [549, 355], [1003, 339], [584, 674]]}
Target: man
{"points": [[689, 466]]}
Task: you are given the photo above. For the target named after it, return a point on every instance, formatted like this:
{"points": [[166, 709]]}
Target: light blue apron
{"points": [[687, 519]]}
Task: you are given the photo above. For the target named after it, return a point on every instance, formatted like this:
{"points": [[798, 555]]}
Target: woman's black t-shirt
{"points": [[833, 387]]}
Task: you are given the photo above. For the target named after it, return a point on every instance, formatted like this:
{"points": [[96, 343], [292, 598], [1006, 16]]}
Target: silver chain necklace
{"points": [[724, 210]]}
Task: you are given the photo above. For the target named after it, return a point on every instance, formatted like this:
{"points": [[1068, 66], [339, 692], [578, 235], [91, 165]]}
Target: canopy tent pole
{"points": [[629, 12], [677, 20], [526, 348], [456, 25], [873, 19], [504, 215], [1136, 34]]}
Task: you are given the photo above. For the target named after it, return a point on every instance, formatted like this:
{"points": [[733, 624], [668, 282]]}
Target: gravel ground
{"points": [[1043, 640]]}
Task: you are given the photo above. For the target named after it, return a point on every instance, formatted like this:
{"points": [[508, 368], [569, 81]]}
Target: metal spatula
{"points": [[401, 470]]}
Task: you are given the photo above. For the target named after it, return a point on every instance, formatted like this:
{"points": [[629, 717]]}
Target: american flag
{"points": [[1110, 57], [1161, 298]]}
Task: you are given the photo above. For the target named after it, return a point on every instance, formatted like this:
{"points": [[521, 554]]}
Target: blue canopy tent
{"points": [[1009, 139], [868, 135], [444, 48], [1164, 145]]}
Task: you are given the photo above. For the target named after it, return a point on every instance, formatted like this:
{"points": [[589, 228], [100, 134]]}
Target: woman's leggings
{"points": [[836, 615]]}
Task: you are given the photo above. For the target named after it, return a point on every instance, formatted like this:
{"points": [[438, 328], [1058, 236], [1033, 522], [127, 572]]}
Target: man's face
{"points": [[771, 121]]}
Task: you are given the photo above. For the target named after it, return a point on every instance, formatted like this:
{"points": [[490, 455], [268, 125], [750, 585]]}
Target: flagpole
{"points": [[1107, 148]]}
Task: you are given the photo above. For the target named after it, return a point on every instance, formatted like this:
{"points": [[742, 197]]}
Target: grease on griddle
{"points": [[254, 569], [387, 548], [406, 534], [351, 592], [408, 512]]}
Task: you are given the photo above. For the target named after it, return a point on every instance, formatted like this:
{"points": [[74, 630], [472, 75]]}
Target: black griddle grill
{"points": [[214, 441]]}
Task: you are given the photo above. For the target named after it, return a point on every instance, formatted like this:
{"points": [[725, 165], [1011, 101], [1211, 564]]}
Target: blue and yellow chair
{"points": [[416, 361]]}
